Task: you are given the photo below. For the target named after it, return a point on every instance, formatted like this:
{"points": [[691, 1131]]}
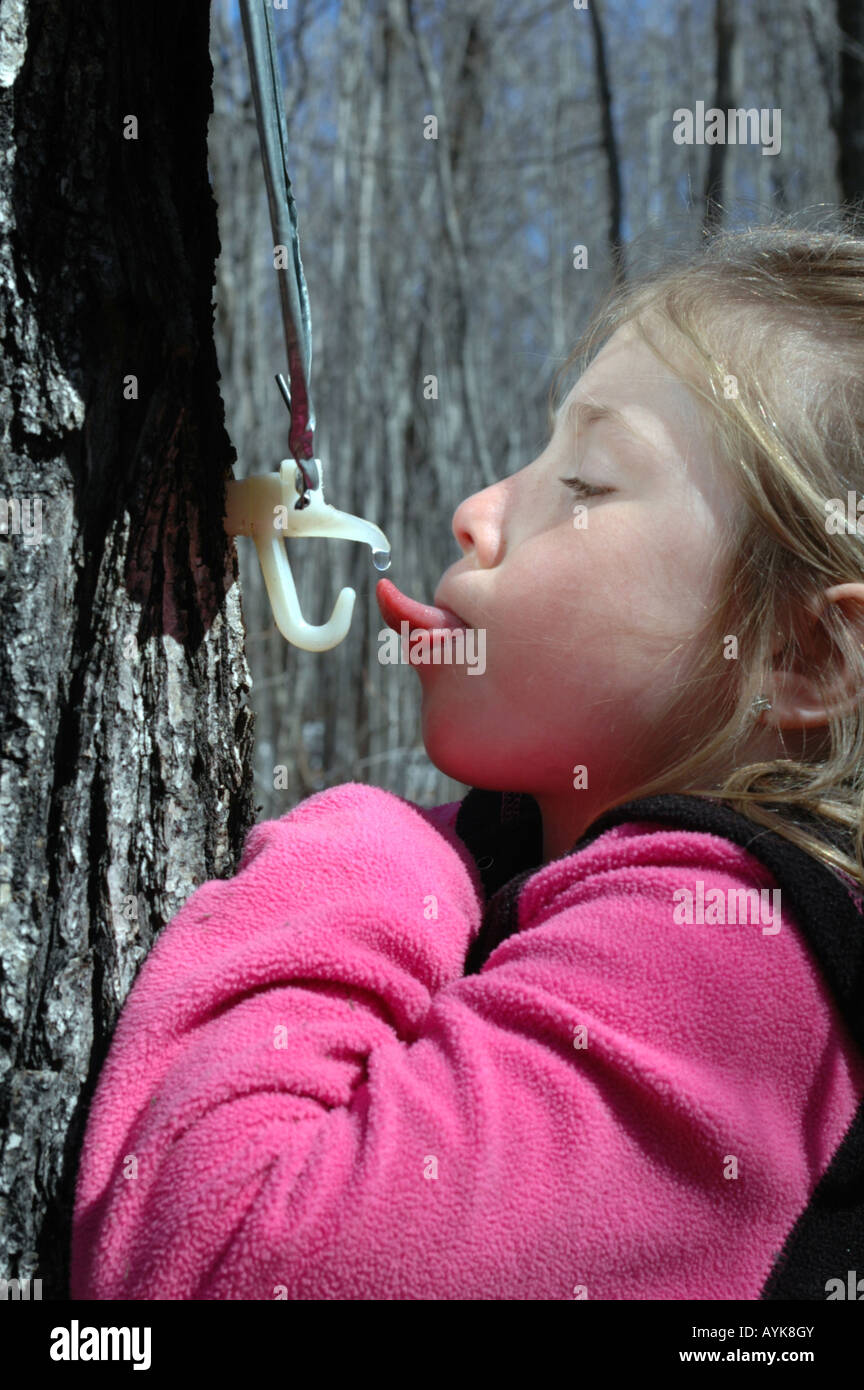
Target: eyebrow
{"points": [[581, 414]]}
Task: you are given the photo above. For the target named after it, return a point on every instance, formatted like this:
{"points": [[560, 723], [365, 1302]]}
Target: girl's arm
{"points": [[306, 1099], [269, 1000]]}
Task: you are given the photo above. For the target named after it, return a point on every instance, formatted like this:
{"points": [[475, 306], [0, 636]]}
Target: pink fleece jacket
{"points": [[306, 1098]]}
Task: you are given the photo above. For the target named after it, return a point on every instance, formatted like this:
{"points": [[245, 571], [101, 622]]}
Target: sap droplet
{"points": [[381, 559]]}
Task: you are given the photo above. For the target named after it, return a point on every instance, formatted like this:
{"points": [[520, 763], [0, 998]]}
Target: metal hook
{"points": [[261, 507]]}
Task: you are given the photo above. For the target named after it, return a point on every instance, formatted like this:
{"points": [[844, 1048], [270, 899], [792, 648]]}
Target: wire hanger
{"points": [[269, 506]]}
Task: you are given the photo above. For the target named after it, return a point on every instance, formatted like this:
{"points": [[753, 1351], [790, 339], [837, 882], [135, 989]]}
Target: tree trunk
{"points": [[126, 740]]}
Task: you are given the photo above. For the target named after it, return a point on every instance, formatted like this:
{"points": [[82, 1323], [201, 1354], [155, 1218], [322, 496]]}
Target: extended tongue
{"points": [[397, 608]]}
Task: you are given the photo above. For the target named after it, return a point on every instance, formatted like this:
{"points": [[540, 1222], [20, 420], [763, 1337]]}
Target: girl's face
{"points": [[590, 595]]}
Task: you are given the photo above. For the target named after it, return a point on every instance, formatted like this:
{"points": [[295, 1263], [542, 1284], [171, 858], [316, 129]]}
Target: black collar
{"points": [[504, 832]]}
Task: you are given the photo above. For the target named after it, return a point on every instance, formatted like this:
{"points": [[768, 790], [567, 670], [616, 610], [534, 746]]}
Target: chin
{"points": [[453, 745], [464, 748]]}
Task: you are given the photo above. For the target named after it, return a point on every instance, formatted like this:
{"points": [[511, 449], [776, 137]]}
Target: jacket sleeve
{"points": [[306, 1099]]}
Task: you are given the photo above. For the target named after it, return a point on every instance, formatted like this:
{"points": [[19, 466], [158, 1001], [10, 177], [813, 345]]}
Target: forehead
{"points": [[626, 376], [659, 403], [628, 373]]}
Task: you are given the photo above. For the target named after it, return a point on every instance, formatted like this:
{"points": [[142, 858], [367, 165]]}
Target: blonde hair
{"points": [[773, 319]]}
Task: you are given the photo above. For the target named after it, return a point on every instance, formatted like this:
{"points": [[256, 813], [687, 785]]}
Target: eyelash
{"points": [[583, 489]]}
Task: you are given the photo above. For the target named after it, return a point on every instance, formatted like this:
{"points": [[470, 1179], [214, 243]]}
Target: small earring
{"points": [[760, 704]]}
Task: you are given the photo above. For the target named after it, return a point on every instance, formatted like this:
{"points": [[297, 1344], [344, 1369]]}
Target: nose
{"points": [[477, 523]]}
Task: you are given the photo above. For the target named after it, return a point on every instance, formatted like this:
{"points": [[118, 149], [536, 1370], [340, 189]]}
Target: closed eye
{"points": [[583, 489]]}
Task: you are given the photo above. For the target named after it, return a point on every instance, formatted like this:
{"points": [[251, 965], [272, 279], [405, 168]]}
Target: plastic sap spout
{"points": [[265, 508]]}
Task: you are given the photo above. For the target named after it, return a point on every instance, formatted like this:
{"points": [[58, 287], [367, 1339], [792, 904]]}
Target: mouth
{"points": [[397, 608]]}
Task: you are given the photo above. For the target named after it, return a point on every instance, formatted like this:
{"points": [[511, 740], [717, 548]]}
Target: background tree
{"points": [[723, 98], [850, 106], [125, 777]]}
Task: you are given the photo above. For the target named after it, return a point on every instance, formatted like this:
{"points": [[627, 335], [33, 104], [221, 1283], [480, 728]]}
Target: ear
{"points": [[796, 699]]}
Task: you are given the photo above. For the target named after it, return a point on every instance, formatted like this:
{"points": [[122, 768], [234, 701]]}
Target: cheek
{"points": [[551, 614], [586, 616], [585, 631]]}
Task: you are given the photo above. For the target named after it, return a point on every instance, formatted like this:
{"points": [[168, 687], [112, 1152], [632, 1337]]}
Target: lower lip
{"points": [[397, 608]]}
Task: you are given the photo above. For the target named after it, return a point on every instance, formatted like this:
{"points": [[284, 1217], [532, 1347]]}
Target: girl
{"points": [[600, 1034]]}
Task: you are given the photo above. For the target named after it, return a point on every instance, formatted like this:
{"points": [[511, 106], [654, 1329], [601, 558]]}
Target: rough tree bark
{"points": [[125, 777]]}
